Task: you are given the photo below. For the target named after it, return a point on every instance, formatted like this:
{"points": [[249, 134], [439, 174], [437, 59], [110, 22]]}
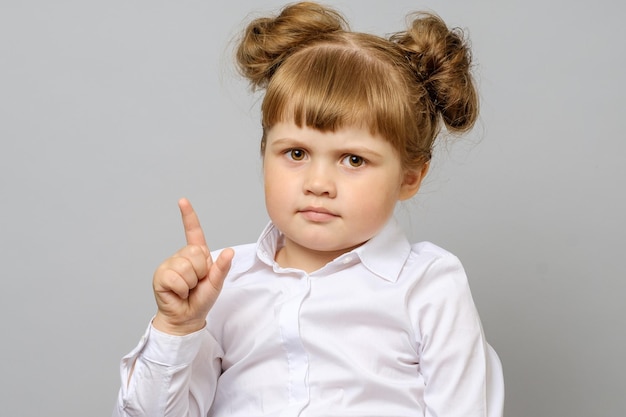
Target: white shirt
{"points": [[388, 329]]}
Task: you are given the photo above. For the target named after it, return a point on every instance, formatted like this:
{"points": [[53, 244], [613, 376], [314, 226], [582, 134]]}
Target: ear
{"points": [[412, 181]]}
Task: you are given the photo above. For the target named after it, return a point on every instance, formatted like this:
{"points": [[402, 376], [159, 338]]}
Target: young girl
{"points": [[332, 312]]}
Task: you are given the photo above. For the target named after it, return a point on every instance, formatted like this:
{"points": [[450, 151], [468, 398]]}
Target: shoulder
{"points": [[439, 293], [435, 270], [429, 249], [428, 255]]}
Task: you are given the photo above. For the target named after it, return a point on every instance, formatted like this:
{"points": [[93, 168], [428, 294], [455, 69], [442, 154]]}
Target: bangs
{"points": [[329, 87]]}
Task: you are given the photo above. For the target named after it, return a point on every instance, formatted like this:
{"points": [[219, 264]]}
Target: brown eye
{"points": [[354, 161], [296, 154]]}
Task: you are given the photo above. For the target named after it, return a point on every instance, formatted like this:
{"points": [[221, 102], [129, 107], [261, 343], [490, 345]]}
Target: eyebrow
{"points": [[284, 141]]}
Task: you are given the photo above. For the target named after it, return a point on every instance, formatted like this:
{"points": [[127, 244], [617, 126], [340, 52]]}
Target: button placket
{"points": [[297, 358]]}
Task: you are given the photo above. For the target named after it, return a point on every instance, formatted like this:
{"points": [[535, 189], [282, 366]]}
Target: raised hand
{"points": [[187, 284]]}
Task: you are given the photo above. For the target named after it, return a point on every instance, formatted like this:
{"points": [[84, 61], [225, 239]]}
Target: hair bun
{"points": [[441, 60], [266, 42]]}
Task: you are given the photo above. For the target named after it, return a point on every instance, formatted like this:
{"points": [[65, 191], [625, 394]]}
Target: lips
{"points": [[317, 214]]}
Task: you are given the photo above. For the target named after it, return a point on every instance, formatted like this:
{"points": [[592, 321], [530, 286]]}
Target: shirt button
{"points": [[347, 260]]}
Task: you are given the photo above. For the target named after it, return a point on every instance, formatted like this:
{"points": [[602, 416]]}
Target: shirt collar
{"points": [[384, 255], [268, 244]]}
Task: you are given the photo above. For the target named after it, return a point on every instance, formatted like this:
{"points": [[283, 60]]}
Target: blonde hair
{"points": [[318, 73]]}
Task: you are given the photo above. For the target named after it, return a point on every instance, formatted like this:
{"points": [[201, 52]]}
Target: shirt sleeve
{"points": [[462, 373], [168, 375]]}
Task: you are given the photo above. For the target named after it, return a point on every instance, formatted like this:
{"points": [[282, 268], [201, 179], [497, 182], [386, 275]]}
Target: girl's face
{"points": [[329, 192]]}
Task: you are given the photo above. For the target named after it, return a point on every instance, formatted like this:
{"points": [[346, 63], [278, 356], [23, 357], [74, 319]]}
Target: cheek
{"points": [[271, 202], [271, 180], [275, 189], [379, 200]]}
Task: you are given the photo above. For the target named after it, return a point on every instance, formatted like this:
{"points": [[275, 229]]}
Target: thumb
{"points": [[221, 266], [208, 288]]}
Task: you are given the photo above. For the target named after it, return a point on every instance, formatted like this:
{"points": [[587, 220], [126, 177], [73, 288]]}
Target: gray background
{"points": [[112, 110]]}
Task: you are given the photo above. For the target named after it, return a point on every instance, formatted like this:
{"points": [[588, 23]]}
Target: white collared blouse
{"points": [[388, 329]]}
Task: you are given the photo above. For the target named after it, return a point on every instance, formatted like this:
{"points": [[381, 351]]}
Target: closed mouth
{"points": [[317, 214], [320, 210]]}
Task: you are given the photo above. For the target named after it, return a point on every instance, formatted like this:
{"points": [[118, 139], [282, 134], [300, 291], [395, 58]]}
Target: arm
{"points": [[174, 369], [168, 375], [462, 373]]}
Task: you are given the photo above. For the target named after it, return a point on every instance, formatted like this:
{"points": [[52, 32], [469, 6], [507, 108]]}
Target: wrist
{"points": [[162, 324]]}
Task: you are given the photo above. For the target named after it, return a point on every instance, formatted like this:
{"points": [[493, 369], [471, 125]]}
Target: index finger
{"points": [[193, 231]]}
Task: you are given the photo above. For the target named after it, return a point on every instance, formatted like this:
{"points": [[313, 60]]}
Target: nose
{"points": [[320, 181]]}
